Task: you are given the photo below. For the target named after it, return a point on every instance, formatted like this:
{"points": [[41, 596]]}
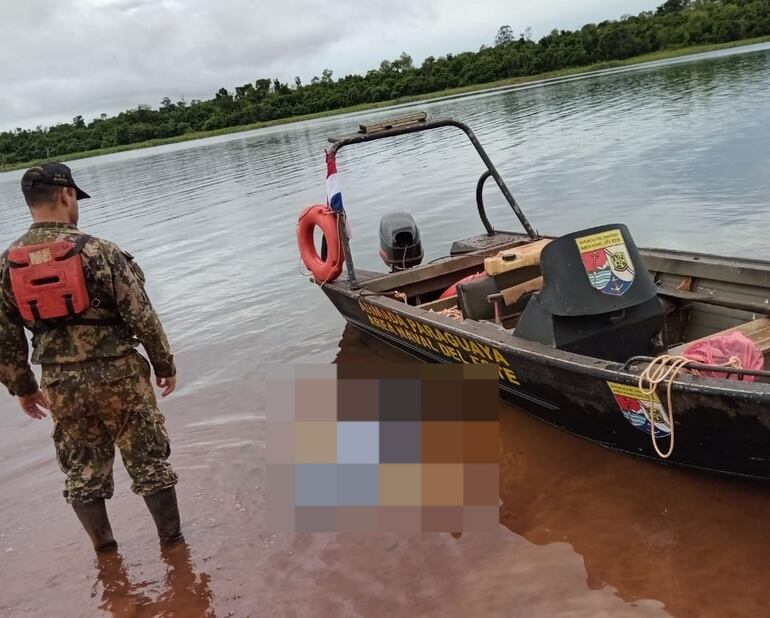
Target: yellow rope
{"points": [[653, 375], [667, 368]]}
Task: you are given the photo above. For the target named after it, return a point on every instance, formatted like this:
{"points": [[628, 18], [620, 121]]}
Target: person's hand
{"points": [[167, 384], [33, 404]]}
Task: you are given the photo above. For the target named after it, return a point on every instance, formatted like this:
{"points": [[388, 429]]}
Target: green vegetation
{"points": [[677, 27]]}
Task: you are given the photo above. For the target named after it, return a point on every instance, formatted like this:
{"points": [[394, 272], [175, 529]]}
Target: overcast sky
{"points": [[68, 57]]}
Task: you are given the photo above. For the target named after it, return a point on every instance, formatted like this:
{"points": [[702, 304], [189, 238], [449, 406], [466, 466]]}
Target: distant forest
{"points": [[676, 23]]}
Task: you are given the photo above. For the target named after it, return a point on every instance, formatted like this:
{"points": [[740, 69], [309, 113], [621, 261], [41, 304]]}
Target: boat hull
{"points": [[720, 426]]}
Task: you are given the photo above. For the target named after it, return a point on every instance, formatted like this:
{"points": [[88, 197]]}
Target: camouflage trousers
{"points": [[97, 405]]}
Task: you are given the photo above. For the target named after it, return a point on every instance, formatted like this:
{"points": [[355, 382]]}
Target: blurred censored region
{"points": [[382, 448]]}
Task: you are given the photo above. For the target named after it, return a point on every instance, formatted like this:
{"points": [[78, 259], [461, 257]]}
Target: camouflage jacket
{"points": [[116, 287]]}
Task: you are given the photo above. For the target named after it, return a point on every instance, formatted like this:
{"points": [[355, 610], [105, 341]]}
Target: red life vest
{"points": [[48, 280]]}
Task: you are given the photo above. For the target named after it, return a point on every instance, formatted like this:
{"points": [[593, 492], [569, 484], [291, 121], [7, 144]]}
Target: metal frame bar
{"points": [[480, 202], [702, 367], [426, 125]]}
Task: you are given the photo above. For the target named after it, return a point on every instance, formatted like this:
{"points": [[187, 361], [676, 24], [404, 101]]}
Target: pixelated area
{"points": [[383, 448]]}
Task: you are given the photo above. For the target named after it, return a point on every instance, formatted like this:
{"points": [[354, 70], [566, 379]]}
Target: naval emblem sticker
{"points": [[640, 411], [607, 263]]}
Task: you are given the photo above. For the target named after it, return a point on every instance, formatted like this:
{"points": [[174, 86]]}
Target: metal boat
{"points": [[572, 322]]}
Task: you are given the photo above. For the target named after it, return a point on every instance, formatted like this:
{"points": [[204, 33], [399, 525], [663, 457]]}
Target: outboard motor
{"points": [[400, 246], [598, 298]]}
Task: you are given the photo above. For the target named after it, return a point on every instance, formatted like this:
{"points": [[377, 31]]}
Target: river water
{"points": [[676, 150]]}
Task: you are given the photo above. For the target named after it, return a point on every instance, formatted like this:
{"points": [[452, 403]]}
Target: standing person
{"points": [[84, 301]]}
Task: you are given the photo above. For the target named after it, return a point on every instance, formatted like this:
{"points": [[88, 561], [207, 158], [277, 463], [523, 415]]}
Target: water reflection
{"points": [[645, 529], [119, 595], [183, 592]]}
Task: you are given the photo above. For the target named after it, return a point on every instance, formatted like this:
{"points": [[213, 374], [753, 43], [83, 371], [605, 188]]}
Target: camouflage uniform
{"points": [[96, 382]]}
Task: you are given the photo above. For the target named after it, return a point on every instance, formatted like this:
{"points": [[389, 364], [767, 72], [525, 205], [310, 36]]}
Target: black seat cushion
{"points": [[472, 298]]}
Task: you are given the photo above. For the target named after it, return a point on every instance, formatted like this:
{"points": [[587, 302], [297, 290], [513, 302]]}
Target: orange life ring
{"points": [[324, 217]]}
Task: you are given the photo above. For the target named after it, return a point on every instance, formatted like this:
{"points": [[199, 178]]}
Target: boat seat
{"points": [[513, 275], [597, 298], [757, 330], [484, 299]]}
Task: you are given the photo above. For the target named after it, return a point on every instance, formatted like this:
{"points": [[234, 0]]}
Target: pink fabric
{"points": [[719, 349]]}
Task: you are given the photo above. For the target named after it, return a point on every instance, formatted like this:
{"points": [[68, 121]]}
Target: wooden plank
{"points": [[756, 330], [513, 294], [392, 123]]}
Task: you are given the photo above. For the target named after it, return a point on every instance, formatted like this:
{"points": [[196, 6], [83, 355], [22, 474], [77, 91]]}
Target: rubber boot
{"points": [[93, 516], [164, 510]]}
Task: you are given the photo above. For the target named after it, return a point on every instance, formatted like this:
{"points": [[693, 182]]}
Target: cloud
{"points": [[91, 56]]}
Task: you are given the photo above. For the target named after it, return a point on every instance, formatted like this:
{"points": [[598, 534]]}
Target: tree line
{"points": [[676, 23]]}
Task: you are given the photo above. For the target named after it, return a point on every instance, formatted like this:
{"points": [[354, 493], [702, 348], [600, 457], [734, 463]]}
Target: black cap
{"points": [[52, 174]]}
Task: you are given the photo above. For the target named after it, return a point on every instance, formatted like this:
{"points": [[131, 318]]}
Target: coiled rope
{"points": [[667, 368]]}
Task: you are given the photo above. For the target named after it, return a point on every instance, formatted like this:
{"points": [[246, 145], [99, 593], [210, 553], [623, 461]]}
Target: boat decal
{"points": [[457, 348], [607, 262], [639, 410]]}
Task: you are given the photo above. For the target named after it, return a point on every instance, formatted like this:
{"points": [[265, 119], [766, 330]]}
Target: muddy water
{"points": [[677, 151]]}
